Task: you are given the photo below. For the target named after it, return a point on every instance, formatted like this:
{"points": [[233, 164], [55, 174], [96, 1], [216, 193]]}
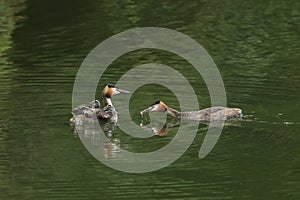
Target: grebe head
{"points": [[157, 106], [110, 90], [238, 112], [95, 104]]}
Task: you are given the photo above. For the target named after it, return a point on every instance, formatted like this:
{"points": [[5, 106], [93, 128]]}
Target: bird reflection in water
{"points": [[87, 128], [162, 128]]}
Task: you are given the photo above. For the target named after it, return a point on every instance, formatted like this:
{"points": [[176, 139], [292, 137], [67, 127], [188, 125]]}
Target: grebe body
{"points": [[207, 114]]}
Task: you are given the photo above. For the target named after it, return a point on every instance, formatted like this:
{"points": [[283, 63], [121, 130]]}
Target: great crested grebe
{"points": [[207, 114], [93, 108]]}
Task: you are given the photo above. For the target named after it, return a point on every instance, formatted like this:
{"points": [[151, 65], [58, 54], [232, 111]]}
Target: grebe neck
{"points": [[173, 112], [107, 101]]}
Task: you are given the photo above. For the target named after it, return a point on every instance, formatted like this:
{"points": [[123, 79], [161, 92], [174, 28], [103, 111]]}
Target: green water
{"points": [[256, 47]]}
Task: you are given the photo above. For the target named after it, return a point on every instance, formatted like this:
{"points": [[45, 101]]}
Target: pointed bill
{"points": [[123, 91]]}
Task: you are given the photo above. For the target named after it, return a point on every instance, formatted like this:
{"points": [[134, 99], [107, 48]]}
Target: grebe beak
{"points": [[156, 106], [146, 110], [122, 91]]}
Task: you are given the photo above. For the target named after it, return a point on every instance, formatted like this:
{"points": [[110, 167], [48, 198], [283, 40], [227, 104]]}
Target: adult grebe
{"points": [[93, 108], [207, 114]]}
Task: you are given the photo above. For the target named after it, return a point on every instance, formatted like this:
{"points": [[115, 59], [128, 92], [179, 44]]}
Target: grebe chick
{"points": [[207, 114], [82, 109]]}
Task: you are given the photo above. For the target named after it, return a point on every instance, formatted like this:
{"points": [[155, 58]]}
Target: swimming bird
{"points": [[93, 108], [207, 114], [109, 111]]}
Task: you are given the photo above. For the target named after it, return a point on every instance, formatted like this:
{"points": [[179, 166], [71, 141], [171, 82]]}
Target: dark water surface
{"points": [[256, 47]]}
